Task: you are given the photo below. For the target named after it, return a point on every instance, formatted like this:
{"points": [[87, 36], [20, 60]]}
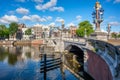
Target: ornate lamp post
{"points": [[108, 30], [97, 16], [97, 20]]}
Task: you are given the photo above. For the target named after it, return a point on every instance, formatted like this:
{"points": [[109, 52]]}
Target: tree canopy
{"points": [[13, 27], [114, 35], [28, 32], [84, 26], [4, 31]]}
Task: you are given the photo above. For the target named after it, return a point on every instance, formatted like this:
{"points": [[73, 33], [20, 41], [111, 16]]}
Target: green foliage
{"points": [[82, 26], [2, 27], [28, 32], [118, 35], [4, 31], [114, 35], [13, 27]]}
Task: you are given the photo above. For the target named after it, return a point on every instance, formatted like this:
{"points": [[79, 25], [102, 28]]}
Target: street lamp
{"points": [[108, 30], [97, 16], [62, 27], [85, 34]]}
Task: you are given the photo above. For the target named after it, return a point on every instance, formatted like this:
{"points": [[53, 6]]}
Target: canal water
{"points": [[23, 63]]}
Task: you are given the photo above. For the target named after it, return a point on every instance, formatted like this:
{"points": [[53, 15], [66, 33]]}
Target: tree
{"points": [[4, 31], [85, 25], [114, 35], [118, 35], [2, 27], [28, 32], [13, 27]]}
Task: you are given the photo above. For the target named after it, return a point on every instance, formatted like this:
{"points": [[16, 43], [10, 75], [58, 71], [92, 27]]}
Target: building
{"points": [[65, 33], [20, 26], [45, 32], [25, 37], [73, 31], [37, 31], [41, 31]]}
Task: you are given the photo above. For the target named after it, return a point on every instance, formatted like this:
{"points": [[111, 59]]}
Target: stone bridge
{"points": [[101, 60]]}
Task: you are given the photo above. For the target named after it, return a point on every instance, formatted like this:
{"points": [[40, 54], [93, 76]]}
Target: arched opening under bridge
{"points": [[75, 60]]}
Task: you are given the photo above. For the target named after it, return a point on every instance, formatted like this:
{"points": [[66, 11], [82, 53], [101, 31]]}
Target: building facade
{"points": [[73, 31]]}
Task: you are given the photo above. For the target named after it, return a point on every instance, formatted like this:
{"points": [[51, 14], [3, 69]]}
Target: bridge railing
{"points": [[109, 52], [103, 47]]}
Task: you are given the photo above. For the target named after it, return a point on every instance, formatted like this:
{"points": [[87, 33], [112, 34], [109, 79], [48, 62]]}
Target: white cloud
{"points": [[52, 24], [59, 19], [70, 24], [34, 18], [48, 5], [38, 24], [51, 5], [26, 18], [115, 23], [48, 18], [38, 1], [22, 10], [78, 17], [37, 18], [60, 9], [6, 19], [117, 1]]}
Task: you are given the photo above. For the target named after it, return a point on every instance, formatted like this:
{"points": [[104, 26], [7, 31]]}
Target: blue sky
{"points": [[50, 12]]}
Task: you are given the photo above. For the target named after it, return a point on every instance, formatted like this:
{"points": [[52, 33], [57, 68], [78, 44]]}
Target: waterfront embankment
{"points": [[21, 42]]}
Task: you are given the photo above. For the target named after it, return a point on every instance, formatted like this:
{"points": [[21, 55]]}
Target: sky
{"points": [[52, 12]]}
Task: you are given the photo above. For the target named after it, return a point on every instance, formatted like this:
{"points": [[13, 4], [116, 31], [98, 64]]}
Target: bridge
{"points": [[100, 59]]}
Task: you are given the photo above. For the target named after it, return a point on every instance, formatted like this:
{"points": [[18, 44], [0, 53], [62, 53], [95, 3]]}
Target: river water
{"points": [[23, 63]]}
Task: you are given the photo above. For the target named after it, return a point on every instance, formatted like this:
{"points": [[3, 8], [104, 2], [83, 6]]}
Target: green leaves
{"points": [[13, 27], [84, 26], [4, 31], [115, 35], [28, 32]]}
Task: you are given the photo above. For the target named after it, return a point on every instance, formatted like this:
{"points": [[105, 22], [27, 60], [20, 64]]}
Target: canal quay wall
{"points": [[22, 42]]}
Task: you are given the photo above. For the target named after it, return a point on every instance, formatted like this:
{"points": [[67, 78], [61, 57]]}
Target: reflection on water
{"points": [[72, 62], [23, 63], [19, 63]]}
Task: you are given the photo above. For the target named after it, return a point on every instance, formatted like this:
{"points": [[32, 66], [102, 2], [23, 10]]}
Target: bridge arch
{"points": [[98, 52], [77, 50]]}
